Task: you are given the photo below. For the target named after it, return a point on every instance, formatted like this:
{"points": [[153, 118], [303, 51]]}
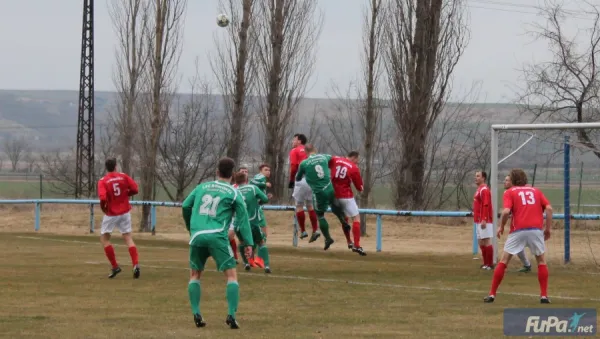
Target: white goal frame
{"points": [[494, 161]]}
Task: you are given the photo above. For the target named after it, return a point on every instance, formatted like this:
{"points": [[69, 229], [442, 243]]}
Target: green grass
{"points": [[56, 287]]}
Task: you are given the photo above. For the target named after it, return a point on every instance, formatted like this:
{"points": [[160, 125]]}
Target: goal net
{"points": [[567, 171]]}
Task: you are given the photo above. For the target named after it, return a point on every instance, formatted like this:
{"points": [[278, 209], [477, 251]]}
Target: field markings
{"points": [[330, 280]]}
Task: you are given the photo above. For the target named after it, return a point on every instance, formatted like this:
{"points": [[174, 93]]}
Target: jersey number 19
{"points": [[340, 172]]}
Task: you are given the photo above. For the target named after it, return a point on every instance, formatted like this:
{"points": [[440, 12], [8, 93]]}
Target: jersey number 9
{"points": [[209, 205], [320, 172]]}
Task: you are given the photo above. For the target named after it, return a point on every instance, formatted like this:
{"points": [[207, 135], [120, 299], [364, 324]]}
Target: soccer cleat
{"points": [[303, 235], [359, 250], [488, 268], [114, 272], [199, 321], [267, 270], [525, 269], [259, 262], [351, 246], [328, 243], [544, 300], [483, 267], [247, 267], [489, 299], [252, 262], [232, 322], [314, 236], [136, 272]]}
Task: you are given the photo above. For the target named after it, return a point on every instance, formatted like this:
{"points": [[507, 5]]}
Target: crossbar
{"points": [[573, 125]]}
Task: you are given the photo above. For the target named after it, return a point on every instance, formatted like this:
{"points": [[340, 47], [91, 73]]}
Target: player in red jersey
{"points": [[114, 190], [344, 173], [483, 213], [302, 193], [527, 205], [526, 263]]}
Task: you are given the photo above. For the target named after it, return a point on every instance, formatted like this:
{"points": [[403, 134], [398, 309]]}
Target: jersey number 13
{"points": [[527, 198]]}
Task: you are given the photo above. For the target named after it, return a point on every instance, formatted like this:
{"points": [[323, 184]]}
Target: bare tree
{"points": [[58, 167], [287, 36], [15, 149], [32, 161], [189, 147], [131, 20], [230, 65], [566, 88], [164, 39], [424, 41]]}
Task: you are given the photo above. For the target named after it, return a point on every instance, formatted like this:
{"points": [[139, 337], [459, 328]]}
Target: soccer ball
{"points": [[222, 20]]}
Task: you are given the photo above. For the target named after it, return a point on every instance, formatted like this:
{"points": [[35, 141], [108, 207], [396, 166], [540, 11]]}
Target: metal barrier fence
{"points": [[378, 213]]}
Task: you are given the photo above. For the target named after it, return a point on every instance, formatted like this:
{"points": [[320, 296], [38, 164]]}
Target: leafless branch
{"points": [[16, 149]]}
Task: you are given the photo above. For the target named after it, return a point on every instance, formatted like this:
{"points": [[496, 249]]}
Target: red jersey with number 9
{"points": [[527, 205], [344, 173], [115, 189]]}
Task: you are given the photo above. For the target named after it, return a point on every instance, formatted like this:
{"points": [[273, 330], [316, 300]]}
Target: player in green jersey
{"points": [[260, 180], [254, 198], [316, 170], [207, 213]]}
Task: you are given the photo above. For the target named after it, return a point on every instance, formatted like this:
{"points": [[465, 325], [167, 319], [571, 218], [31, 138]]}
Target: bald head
{"points": [[310, 149]]}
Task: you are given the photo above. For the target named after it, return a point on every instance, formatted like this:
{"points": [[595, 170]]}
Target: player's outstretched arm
{"points": [[241, 223], [187, 207], [300, 173]]}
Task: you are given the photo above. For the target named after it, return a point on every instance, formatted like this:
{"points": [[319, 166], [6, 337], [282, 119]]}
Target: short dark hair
{"points": [[483, 174], [241, 178], [263, 166], [301, 137], [353, 154], [225, 167], [518, 177], [110, 164], [310, 148]]}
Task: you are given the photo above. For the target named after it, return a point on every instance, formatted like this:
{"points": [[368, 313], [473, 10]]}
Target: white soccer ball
{"points": [[222, 20]]}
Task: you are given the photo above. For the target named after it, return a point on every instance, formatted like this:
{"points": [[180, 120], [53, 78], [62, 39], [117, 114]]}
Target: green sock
{"points": [[263, 253], [233, 297], [194, 293], [324, 226], [242, 253]]}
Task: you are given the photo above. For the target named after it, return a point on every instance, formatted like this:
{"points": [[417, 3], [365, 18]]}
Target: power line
{"points": [[512, 8]]}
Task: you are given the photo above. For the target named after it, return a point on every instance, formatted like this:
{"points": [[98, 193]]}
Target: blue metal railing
{"points": [[378, 213]]}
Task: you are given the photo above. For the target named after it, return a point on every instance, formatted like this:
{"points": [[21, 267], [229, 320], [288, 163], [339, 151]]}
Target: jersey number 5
{"points": [[320, 172], [209, 205], [116, 189], [340, 172], [527, 198]]}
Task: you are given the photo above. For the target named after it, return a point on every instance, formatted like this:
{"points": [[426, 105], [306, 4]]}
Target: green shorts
{"points": [[220, 251], [322, 199], [262, 222]]}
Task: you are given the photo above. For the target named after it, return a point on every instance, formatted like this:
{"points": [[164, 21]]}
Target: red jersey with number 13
{"points": [[344, 173], [115, 189], [527, 205], [483, 210]]}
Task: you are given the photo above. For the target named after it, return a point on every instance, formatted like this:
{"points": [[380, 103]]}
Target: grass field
{"points": [[424, 285]]}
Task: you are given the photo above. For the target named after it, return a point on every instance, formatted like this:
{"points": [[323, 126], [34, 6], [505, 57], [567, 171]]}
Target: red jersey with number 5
{"points": [[527, 205], [115, 189], [344, 173]]}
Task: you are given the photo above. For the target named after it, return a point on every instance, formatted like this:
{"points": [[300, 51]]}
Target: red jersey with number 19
{"points": [[114, 189], [344, 173], [527, 205]]}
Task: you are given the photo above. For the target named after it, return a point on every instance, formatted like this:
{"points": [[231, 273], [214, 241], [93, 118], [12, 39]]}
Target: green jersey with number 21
{"points": [[208, 211], [316, 170]]}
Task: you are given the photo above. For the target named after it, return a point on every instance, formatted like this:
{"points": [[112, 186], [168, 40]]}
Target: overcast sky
{"points": [[40, 44]]}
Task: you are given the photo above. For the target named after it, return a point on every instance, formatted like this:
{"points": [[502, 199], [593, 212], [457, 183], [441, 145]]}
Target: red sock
{"points": [[110, 254], [489, 255], [301, 218], [356, 233], [498, 275], [482, 254], [543, 279], [134, 255], [233, 245], [312, 215], [346, 234]]}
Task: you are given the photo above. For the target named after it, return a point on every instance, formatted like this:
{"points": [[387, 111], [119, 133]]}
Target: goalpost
{"points": [[494, 174]]}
